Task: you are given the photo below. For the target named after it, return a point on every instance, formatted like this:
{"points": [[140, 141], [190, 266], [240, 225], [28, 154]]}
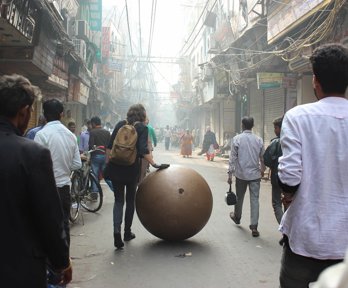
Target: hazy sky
{"points": [[168, 36]]}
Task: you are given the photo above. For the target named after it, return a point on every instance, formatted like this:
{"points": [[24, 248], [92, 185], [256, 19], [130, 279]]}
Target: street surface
{"points": [[223, 254]]}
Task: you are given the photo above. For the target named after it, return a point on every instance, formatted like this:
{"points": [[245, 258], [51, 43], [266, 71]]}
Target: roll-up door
{"points": [[34, 116], [256, 107], [229, 118], [274, 108]]}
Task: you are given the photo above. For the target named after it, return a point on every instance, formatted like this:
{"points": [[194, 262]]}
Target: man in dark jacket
{"points": [[33, 238]]}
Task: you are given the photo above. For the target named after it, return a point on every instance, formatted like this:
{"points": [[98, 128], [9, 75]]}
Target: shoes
{"points": [[118, 243], [234, 218], [254, 232], [281, 241], [128, 236]]}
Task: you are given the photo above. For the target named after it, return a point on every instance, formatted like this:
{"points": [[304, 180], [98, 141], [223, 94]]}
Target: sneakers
{"points": [[118, 243], [128, 236], [234, 218]]}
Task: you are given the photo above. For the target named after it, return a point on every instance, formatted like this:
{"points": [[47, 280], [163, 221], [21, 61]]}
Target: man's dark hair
{"points": [[248, 122], [16, 92], [96, 121], [135, 113], [52, 109], [330, 67], [278, 122], [70, 124]]}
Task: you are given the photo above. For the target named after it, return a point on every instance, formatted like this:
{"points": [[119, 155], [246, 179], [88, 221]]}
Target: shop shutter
{"points": [[229, 117], [274, 108], [34, 116], [256, 107]]}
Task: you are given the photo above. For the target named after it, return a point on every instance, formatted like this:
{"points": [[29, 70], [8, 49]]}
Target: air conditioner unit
{"points": [[300, 64], [212, 45], [80, 48], [82, 30], [207, 73]]}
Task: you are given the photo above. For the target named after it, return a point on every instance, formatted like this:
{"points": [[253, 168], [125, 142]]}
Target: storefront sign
{"points": [[269, 80], [95, 19]]}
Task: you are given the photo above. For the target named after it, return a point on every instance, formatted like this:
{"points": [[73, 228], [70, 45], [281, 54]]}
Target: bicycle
{"points": [[81, 185]]}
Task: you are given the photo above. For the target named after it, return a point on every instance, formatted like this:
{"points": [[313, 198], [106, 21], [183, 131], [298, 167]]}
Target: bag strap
{"points": [[230, 188]]}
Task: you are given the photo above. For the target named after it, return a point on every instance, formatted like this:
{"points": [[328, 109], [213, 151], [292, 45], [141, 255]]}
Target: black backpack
{"points": [[272, 153]]}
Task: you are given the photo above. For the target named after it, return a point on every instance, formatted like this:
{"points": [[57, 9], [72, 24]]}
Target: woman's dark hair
{"points": [[52, 109], [16, 92], [330, 67], [248, 122], [135, 113]]}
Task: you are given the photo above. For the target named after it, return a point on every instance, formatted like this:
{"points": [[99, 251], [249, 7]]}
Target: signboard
{"points": [[269, 80], [95, 19], [115, 65], [106, 41], [290, 14]]}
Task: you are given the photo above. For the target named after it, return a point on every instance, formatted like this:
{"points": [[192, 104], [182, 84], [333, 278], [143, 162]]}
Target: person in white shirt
{"points": [[313, 173], [64, 150]]}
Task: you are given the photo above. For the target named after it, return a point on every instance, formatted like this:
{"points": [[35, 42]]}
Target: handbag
{"points": [[230, 197]]}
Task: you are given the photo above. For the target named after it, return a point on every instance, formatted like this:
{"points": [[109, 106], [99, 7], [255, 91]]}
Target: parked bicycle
{"points": [[82, 181]]}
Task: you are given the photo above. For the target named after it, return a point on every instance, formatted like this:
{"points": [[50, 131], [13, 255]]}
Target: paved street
{"points": [[223, 254]]}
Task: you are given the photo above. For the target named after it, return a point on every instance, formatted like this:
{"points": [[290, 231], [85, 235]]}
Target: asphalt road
{"points": [[222, 253]]}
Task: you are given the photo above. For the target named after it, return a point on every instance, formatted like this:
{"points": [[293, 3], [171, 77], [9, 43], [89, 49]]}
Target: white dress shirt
{"points": [[246, 156], [314, 140], [64, 150]]}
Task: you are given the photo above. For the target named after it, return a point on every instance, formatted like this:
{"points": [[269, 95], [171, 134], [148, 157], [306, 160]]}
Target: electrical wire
{"points": [[152, 26], [129, 32], [141, 49], [199, 30], [193, 30]]}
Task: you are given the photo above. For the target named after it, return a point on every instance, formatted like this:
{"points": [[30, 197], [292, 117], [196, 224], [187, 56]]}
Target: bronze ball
{"points": [[175, 203]]}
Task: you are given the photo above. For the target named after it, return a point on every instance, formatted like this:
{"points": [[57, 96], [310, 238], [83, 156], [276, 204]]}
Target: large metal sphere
{"points": [[175, 203]]}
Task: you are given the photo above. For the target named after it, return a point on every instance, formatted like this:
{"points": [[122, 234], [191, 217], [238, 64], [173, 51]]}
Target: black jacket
{"points": [[31, 215]]}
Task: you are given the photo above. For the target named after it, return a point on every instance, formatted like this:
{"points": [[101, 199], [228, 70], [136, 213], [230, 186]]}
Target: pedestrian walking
{"points": [[209, 144], [98, 138], [84, 138], [186, 144], [33, 237], [151, 143], [125, 178], [167, 137], [313, 173], [271, 156], [246, 164], [32, 132], [64, 150]]}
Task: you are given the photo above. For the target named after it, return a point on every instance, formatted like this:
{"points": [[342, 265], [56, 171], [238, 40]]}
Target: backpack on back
{"points": [[124, 150], [272, 153]]}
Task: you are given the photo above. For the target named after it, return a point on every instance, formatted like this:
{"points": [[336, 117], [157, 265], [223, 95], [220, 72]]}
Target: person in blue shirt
{"points": [[32, 132]]}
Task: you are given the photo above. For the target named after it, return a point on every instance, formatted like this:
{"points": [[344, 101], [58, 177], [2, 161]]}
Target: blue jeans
{"points": [[254, 189], [98, 164], [119, 193]]}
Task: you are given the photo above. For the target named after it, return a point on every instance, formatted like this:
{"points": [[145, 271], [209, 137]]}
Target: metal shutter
{"points": [[256, 107], [274, 108]]}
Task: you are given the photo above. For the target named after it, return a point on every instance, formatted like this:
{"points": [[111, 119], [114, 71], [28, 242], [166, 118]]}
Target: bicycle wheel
{"points": [[74, 194], [92, 201]]}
